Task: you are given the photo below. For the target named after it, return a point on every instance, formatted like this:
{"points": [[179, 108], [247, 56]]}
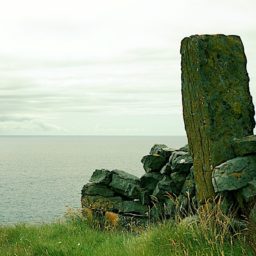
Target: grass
{"points": [[76, 236]]}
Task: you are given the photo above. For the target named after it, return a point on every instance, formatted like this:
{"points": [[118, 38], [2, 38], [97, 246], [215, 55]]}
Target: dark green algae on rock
{"points": [[147, 197], [101, 176], [234, 174], [125, 184], [217, 105], [245, 145], [152, 163]]}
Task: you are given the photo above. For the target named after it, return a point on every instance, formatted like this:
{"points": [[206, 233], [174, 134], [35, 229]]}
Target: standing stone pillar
{"points": [[217, 105]]}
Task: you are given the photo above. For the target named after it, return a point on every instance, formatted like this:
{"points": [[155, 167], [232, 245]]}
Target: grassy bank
{"points": [[79, 238]]}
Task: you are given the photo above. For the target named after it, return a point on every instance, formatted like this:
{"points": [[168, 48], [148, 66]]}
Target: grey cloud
{"points": [[24, 123]]}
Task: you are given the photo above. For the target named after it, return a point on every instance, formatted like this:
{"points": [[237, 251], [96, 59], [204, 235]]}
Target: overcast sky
{"points": [[105, 67]]}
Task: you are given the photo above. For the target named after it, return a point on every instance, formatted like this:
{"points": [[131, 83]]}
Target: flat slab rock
{"points": [[249, 192], [181, 162], [234, 174], [153, 163], [133, 207], [101, 176], [125, 184], [245, 146], [94, 189]]}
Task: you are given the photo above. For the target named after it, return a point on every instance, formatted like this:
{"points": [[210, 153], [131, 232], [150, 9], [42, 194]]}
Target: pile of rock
{"points": [[235, 179], [167, 186]]}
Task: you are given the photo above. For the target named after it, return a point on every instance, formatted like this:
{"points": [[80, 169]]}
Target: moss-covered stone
{"points": [[163, 188], [188, 187], [234, 174], [249, 192], [162, 150], [245, 146], [101, 176], [166, 169], [149, 181], [178, 179], [181, 162], [94, 189], [153, 163], [125, 184], [133, 208], [217, 105]]}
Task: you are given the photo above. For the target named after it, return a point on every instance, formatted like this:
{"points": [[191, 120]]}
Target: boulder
{"points": [[162, 150], [94, 189], [234, 174], [166, 169], [149, 181], [148, 184], [156, 148], [184, 148], [145, 198], [181, 162], [125, 175], [178, 179], [101, 176], [217, 105], [189, 187], [163, 188], [153, 163], [133, 207], [245, 146], [125, 184]]}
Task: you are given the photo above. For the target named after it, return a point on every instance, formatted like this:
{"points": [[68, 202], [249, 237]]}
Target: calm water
{"points": [[41, 176]]}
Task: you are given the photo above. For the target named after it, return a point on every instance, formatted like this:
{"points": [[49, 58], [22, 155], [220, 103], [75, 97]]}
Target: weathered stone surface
{"points": [[163, 187], [149, 181], [133, 207], [94, 189], [101, 176], [188, 187], [184, 148], [245, 146], [125, 184], [157, 148], [162, 150], [181, 162], [125, 175], [153, 163], [145, 198], [217, 105], [234, 174], [166, 169], [249, 192], [178, 180]]}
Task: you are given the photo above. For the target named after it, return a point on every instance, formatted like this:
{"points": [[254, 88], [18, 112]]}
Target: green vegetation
{"points": [[76, 236]]}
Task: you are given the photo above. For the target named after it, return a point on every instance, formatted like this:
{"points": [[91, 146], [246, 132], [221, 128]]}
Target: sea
{"points": [[41, 177]]}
